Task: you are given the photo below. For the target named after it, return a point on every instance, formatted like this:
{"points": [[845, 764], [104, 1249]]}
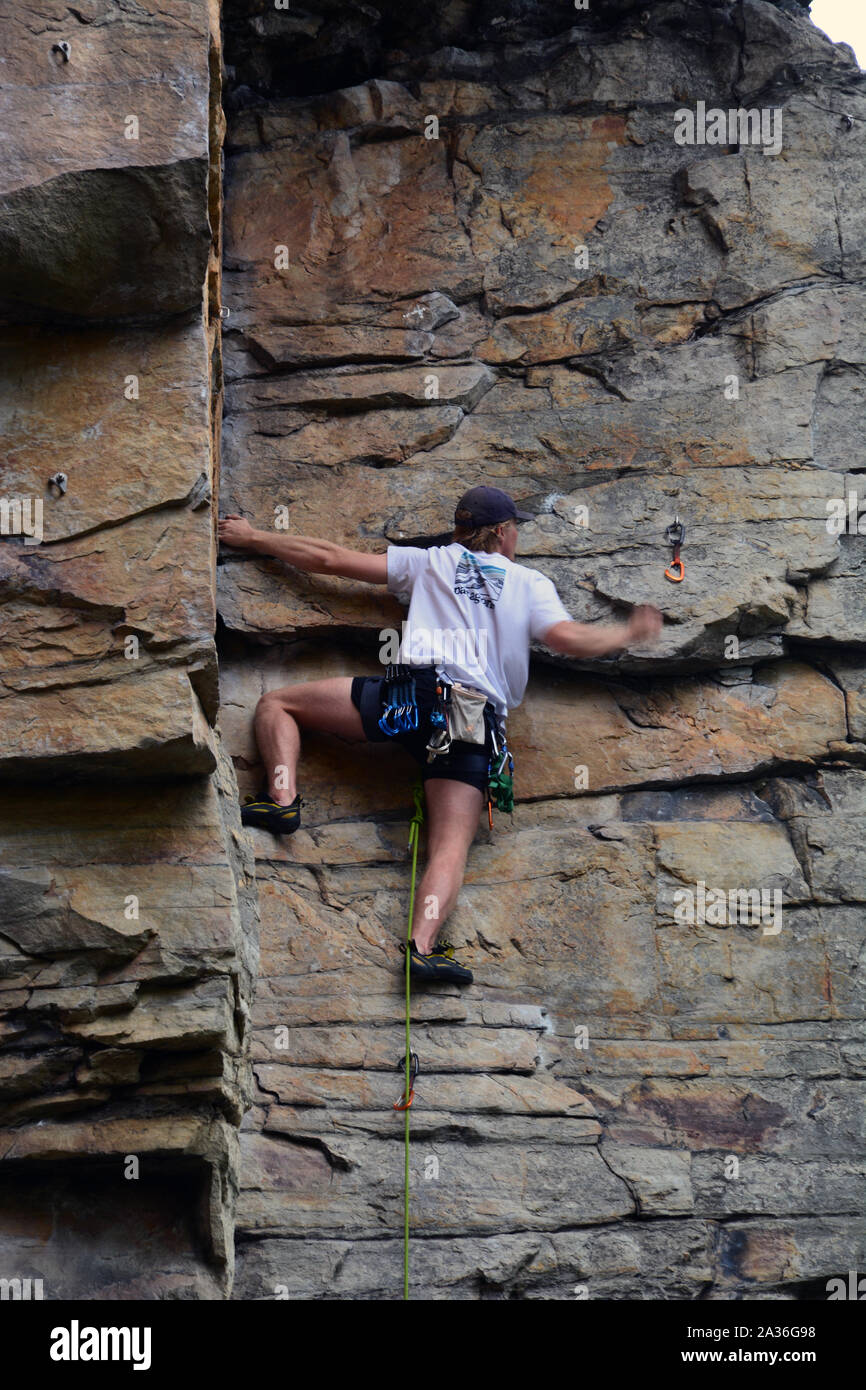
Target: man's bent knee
{"points": [[272, 702], [324, 706]]}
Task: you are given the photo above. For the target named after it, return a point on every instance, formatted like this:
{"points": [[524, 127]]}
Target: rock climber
{"points": [[471, 586]]}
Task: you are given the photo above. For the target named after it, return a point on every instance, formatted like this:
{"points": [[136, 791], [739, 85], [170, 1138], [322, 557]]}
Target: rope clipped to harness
{"points": [[400, 713]]}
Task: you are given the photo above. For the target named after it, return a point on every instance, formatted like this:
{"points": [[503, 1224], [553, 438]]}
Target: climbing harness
{"points": [[462, 713], [409, 1061], [400, 713], [675, 535]]}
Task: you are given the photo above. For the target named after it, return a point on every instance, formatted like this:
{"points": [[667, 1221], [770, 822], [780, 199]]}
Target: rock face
{"points": [[127, 933], [550, 294], [453, 248]]}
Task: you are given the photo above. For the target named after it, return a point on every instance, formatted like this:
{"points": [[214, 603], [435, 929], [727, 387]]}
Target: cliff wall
{"points": [[127, 909], [444, 244], [463, 245]]}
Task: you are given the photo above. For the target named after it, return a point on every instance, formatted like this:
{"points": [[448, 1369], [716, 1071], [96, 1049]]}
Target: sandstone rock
{"points": [[152, 726], [109, 670], [378, 238], [665, 1258], [103, 590], [122, 396], [358, 1187], [369, 389], [20, 1075], [615, 322], [793, 1251], [467, 1094], [445, 1048], [659, 1178], [143, 888], [86, 195]]}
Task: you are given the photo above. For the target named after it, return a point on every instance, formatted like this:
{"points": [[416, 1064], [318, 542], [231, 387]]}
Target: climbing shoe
{"points": [[266, 814], [439, 965]]}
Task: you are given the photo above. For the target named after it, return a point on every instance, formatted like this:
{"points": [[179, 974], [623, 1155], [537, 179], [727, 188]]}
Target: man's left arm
{"points": [[593, 639]]}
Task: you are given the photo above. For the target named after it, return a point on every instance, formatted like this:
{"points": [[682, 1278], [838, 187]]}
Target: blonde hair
{"points": [[476, 537]]}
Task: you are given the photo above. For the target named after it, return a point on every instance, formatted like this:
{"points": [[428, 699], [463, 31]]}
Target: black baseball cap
{"points": [[487, 506]]}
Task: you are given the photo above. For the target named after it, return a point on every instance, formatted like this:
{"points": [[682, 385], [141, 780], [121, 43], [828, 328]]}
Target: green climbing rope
{"points": [[414, 833]]}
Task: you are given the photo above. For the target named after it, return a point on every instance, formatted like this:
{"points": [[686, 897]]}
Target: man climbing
{"points": [[465, 655]]}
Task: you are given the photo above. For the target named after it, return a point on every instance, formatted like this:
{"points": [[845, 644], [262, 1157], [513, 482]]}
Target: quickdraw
{"points": [[413, 1070], [675, 534], [400, 713]]}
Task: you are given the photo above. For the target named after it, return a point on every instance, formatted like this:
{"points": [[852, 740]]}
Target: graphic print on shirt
{"points": [[481, 583]]}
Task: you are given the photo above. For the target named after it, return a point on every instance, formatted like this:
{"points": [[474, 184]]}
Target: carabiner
{"points": [[675, 535], [414, 1068]]}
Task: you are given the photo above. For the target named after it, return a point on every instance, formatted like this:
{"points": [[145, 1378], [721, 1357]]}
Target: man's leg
{"points": [[453, 810], [322, 705]]}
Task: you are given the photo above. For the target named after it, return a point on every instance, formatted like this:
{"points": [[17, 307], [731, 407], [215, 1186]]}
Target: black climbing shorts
{"points": [[464, 762]]}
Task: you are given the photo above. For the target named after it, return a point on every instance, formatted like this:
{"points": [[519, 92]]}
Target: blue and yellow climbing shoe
{"points": [[438, 965], [266, 814]]}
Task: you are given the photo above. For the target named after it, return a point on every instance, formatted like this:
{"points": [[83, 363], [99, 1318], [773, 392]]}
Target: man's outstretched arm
{"points": [[592, 639], [305, 552]]}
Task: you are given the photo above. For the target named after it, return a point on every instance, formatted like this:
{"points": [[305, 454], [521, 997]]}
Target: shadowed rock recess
{"points": [[456, 242]]}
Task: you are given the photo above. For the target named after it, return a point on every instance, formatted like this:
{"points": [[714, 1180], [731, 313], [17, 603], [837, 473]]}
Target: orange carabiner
{"points": [[414, 1068], [675, 577]]}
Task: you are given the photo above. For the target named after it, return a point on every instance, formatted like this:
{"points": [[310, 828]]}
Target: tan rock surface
{"points": [[85, 190], [550, 294], [127, 951], [623, 330]]}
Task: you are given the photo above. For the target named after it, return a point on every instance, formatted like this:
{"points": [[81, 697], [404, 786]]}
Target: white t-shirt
{"points": [[472, 615]]}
